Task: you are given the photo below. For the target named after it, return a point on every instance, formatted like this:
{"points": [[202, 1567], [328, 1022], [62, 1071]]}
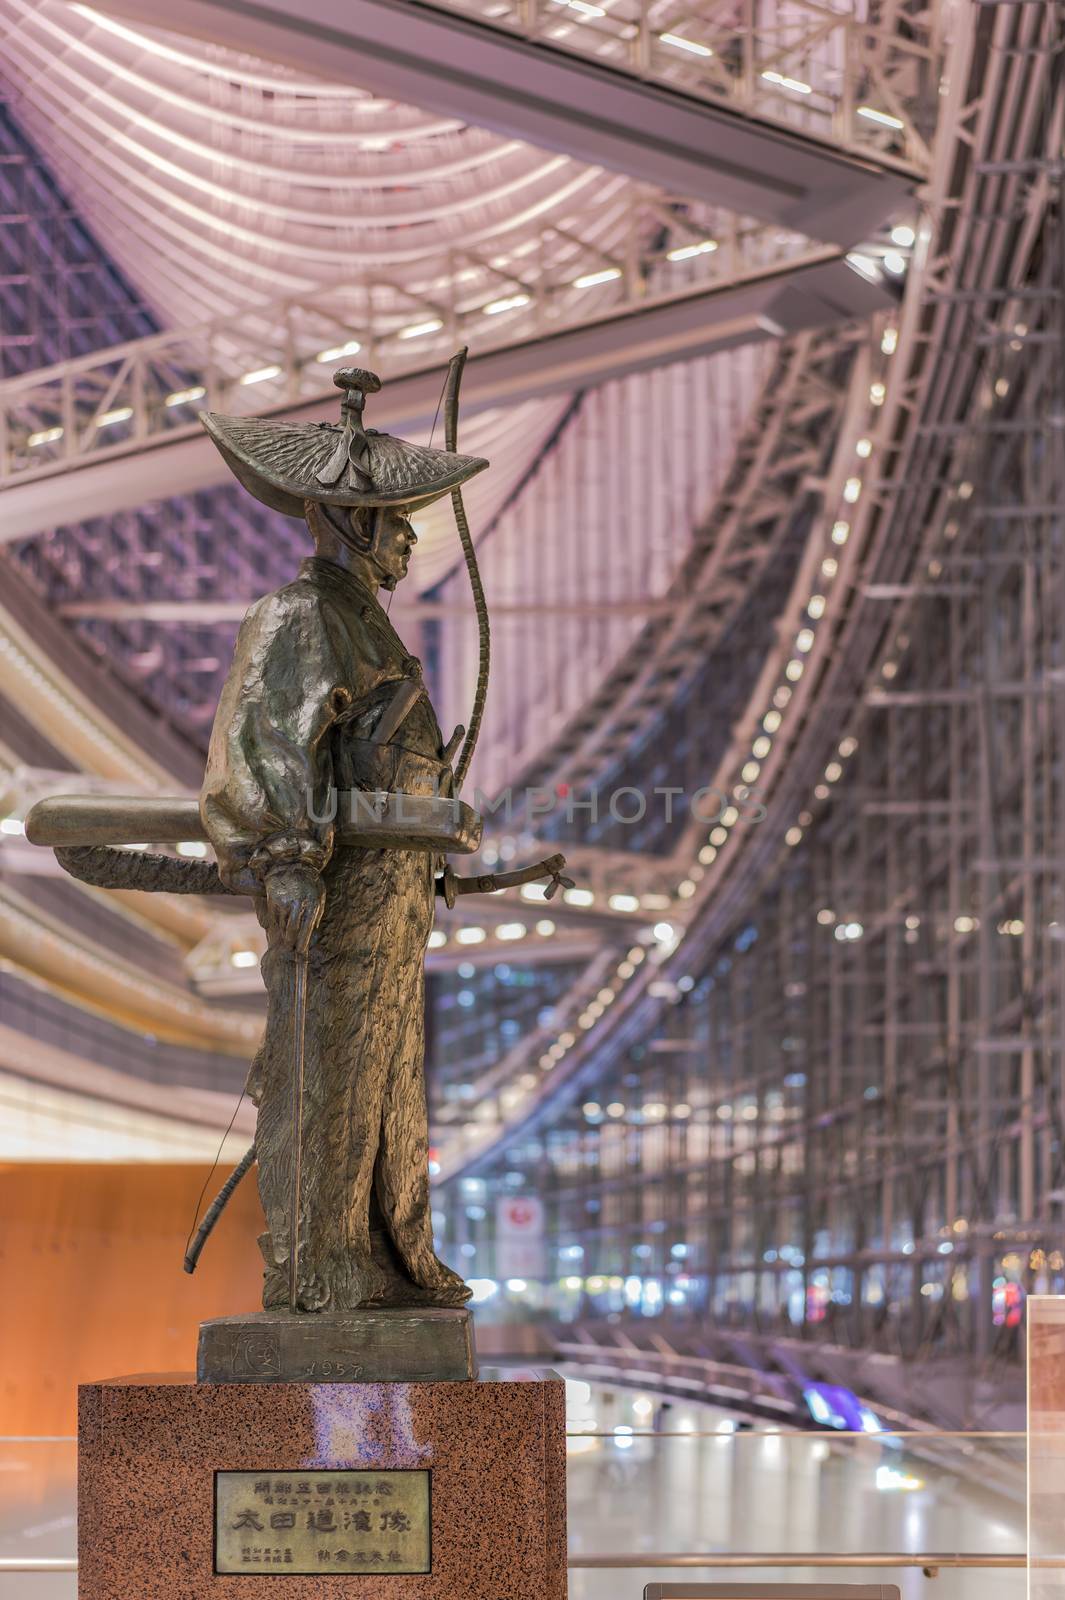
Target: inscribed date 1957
{"points": [[322, 1522]]}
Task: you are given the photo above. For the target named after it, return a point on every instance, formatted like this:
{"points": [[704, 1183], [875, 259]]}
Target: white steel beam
{"points": [[98, 481], [428, 56]]}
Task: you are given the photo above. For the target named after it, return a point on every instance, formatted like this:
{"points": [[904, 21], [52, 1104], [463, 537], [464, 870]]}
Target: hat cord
{"points": [[484, 636]]}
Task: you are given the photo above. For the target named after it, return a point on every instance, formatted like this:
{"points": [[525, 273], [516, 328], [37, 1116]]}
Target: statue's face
{"points": [[395, 539]]}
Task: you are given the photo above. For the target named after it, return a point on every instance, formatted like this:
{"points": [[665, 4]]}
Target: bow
{"points": [[484, 637]]}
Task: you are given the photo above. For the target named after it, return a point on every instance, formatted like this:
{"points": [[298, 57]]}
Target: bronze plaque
{"points": [[322, 1522]]}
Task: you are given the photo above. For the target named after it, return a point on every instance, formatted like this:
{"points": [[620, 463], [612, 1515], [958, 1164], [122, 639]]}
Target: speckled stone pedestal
{"points": [[149, 1448]]}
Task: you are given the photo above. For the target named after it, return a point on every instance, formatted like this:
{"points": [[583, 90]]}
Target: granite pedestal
{"points": [[336, 1477]]}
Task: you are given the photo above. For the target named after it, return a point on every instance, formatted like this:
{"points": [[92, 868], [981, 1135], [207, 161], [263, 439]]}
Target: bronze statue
{"points": [[324, 705], [318, 672]]}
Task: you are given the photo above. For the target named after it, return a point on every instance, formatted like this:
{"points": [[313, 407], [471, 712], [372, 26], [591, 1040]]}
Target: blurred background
{"points": [[764, 305]]}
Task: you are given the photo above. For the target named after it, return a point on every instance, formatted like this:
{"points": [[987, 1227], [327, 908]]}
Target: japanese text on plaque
{"points": [[319, 1522]]}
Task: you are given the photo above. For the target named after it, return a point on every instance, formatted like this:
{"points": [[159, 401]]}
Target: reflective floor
{"points": [[649, 1477], [690, 1478]]}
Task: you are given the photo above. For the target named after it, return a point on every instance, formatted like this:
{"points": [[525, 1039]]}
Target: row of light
{"points": [[695, 47], [508, 932], [652, 1111], [585, 898], [414, 330], [794, 668], [665, 934], [852, 491], [1012, 927], [761, 747]]}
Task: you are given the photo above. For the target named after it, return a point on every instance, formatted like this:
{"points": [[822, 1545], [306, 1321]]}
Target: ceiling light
{"points": [[578, 897], [864, 448], [871, 114], [335, 352], [260, 375], [684, 252], [903, 235], [244, 958], [794, 84], [895, 263], [45, 436], [545, 928], [182, 397], [471, 936], [437, 938], [623, 902], [417, 329], [511, 930], [510, 303], [851, 490], [865, 265], [192, 847], [691, 45], [840, 532], [109, 418], [590, 279]]}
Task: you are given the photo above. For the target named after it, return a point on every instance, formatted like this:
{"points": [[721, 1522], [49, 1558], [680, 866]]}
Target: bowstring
{"points": [[432, 434], [214, 1168]]}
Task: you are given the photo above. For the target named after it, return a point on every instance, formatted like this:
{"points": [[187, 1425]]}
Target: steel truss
{"points": [[842, 1096]]}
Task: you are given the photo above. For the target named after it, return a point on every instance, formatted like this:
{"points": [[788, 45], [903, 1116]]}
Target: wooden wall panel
{"points": [[92, 1284]]}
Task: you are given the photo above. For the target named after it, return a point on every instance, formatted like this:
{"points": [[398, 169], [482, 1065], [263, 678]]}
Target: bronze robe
{"points": [[313, 668]]}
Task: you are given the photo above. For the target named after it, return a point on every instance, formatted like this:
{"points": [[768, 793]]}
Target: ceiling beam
{"points": [[822, 290], [430, 57], [207, 613]]}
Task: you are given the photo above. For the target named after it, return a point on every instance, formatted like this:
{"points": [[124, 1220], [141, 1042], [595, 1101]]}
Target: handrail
{"points": [[928, 1561], [923, 1434]]}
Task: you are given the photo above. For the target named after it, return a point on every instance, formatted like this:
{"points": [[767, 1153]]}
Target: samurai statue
{"points": [[316, 671], [323, 701]]}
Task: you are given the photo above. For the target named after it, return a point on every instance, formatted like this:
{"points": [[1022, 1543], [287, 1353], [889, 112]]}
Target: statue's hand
{"points": [[295, 900]]}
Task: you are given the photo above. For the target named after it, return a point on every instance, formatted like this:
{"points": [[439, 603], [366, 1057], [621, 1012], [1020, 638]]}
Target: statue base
{"points": [[267, 1491], [412, 1345]]}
